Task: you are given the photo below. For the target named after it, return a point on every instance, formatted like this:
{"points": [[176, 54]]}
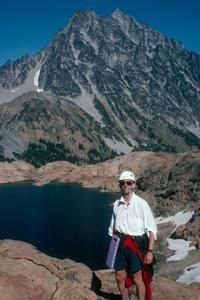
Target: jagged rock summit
{"points": [[103, 85]]}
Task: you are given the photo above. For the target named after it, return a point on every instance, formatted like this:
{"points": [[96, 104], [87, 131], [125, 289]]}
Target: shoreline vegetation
{"points": [[96, 175]]}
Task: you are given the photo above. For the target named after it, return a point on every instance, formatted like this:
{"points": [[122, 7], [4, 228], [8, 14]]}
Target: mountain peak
{"points": [[117, 12], [89, 13], [81, 18], [99, 65], [122, 18]]}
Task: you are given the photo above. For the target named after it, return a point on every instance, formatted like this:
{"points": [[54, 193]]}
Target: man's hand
{"points": [[148, 258]]}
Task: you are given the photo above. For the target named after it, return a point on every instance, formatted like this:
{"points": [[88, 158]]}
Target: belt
{"points": [[123, 234]]}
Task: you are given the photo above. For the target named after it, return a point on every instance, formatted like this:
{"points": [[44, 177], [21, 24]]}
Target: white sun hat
{"points": [[127, 175]]}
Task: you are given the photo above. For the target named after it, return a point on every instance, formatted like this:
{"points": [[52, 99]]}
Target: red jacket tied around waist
{"points": [[147, 277]]}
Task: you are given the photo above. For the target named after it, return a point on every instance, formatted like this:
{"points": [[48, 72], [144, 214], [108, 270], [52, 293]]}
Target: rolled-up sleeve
{"points": [[111, 227], [149, 221], [112, 222]]}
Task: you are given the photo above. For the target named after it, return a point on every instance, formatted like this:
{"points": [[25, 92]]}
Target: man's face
{"points": [[127, 186]]}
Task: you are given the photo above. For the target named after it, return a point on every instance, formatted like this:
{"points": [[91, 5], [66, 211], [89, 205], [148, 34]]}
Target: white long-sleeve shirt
{"points": [[134, 218]]}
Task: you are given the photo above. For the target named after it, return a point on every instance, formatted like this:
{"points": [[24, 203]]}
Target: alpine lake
{"points": [[60, 220]]}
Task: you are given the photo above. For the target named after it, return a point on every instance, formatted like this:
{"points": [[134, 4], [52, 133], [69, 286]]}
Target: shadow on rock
{"points": [[96, 287]]}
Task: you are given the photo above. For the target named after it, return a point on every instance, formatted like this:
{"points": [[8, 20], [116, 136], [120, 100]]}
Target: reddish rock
{"points": [[27, 274], [163, 288]]}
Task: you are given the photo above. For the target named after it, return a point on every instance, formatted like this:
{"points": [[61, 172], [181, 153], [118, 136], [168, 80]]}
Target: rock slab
{"points": [[27, 274]]}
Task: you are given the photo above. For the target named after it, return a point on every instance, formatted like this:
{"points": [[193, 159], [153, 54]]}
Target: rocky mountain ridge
{"points": [[30, 115], [138, 88]]}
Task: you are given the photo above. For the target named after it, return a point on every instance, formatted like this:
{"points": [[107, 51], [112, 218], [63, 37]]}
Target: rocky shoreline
{"points": [[156, 173], [169, 182]]}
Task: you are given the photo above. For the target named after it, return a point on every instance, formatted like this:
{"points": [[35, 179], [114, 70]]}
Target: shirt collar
{"points": [[122, 201]]}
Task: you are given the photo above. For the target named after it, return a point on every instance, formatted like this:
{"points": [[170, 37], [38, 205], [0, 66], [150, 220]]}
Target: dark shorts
{"points": [[127, 260]]}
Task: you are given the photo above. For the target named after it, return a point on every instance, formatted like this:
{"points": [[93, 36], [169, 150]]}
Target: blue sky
{"points": [[28, 26]]}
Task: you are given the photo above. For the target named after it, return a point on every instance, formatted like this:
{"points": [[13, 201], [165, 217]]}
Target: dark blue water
{"points": [[61, 220]]}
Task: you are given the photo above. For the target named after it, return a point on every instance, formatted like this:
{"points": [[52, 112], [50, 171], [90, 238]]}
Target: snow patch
{"points": [[191, 274], [14, 90], [180, 218], [181, 248], [36, 81], [74, 51]]}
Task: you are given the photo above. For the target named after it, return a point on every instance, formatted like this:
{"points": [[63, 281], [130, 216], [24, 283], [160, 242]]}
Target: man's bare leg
{"points": [[141, 290], [120, 277], [132, 292]]}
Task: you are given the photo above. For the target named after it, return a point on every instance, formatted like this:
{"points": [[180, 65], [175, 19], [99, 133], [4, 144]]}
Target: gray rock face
{"points": [[13, 74], [10, 143], [139, 87], [127, 61]]}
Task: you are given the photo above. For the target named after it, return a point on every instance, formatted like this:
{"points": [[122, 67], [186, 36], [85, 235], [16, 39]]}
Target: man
{"points": [[133, 221]]}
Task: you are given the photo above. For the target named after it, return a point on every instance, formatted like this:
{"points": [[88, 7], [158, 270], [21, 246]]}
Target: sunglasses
{"points": [[122, 183]]}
